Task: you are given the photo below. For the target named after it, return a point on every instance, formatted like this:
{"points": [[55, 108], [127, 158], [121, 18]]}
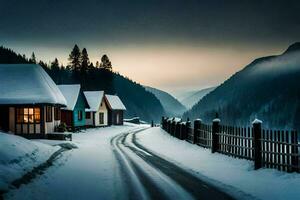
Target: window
{"points": [[48, 114], [88, 115], [57, 113], [101, 118], [79, 115], [28, 115]]}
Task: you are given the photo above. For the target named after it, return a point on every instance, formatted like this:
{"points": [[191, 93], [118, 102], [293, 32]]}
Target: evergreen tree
{"points": [[105, 63], [32, 58], [75, 58], [55, 70], [97, 64], [85, 61]]}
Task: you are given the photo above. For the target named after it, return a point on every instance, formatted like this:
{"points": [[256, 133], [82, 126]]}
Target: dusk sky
{"points": [[171, 45]]}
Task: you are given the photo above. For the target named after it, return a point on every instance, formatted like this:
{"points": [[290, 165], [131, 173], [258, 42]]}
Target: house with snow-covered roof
{"points": [[116, 110], [97, 114], [30, 102], [73, 115]]}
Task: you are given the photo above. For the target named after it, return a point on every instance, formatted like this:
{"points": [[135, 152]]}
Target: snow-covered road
{"points": [[110, 164]]}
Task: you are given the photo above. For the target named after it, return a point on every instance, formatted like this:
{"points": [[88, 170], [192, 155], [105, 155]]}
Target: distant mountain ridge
{"points": [[267, 88], [195, 97], [171, 105]]}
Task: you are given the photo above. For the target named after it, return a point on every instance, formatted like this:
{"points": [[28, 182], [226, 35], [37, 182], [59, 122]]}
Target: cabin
{"points": [[97, 114], [73, 115], [116, 110], [30, 101]]}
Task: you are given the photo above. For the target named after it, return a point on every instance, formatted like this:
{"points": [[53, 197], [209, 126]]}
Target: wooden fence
{"points": [[278, 149]]}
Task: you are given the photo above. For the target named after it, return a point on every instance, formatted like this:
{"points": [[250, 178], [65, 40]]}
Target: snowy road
{"points": [[110, 164], [152, 177]]}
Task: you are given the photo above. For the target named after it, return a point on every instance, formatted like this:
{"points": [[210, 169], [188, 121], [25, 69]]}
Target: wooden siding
{"points": [[79, 106], [112, 117]]}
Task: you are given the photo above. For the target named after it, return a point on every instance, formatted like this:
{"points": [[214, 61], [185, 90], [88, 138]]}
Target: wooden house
{"points": [[30, 101], [74, 114], [97, 114], [116, 110]]}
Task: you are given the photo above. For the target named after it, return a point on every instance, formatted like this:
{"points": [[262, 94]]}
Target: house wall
{"points": [[103, 109], [80, 105], [67, 117], [12, 119], [50, 126], [113, 115], [90, 122]]}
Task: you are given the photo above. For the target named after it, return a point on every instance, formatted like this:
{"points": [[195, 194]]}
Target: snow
{"points": [[18, 156], [216, 120], [27, 84], [94, 99], [71, 93], [115, 102], [235, 176], [88, 172], [257, 121]]}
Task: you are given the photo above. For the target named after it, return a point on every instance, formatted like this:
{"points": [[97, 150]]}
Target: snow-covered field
{"points": [[88, 172], [18, 156], [236, 176]]}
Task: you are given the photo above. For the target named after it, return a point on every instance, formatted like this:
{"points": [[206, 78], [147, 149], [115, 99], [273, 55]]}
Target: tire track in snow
{"points": [[144, 179], [196, 187]]}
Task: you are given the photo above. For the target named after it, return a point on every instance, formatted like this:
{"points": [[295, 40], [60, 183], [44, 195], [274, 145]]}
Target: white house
{"points": [[97, 114], [30, 101]]}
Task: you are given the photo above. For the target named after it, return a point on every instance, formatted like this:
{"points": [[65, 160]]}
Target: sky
{"points": [[168, 44]]}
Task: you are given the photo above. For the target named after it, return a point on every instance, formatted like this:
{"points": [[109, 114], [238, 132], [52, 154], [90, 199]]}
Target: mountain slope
{"points": [[191, 100], [137, 100], [268, 88], [171, 105]]}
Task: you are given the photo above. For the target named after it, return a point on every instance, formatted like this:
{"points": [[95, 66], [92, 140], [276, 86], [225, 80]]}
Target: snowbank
{"points": [[89, 172], [18, 156], [236, 176]]}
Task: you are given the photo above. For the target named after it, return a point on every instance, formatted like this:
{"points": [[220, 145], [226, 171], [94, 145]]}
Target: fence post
{"points": [[187, 129], [215, 139], [257, 143], [295, 159], [178, 129], [197, 125], [182, 130], [173, 127]]}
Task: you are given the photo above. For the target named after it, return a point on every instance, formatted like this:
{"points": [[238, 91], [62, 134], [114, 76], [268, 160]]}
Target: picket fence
{"points": [[277, 149]]}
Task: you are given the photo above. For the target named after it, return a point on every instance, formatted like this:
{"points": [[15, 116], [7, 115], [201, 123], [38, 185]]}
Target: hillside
{"points": [[193, 98], [137, 100], [268, 89], [171, 105]]}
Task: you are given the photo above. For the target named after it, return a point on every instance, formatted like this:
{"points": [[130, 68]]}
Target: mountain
{"points": [[171, 105], [137, 100], [267, 89], [193, 98]]}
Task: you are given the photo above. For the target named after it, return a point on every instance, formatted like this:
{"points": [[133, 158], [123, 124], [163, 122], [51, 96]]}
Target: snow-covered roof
{"points": [[94, 99], [27, 84], [71, 93], [114, 102]]}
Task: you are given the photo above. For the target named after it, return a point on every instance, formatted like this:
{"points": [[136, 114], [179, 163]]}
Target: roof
{"points": [[27, 84], [94, 99], [114, 102], [71, 93]]}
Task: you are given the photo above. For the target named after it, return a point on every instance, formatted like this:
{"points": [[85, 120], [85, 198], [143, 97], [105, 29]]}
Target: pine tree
{"points": [[85, 61], [105, 63], [75, 58], [32, 58], [97, 64], [55, 70]]}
